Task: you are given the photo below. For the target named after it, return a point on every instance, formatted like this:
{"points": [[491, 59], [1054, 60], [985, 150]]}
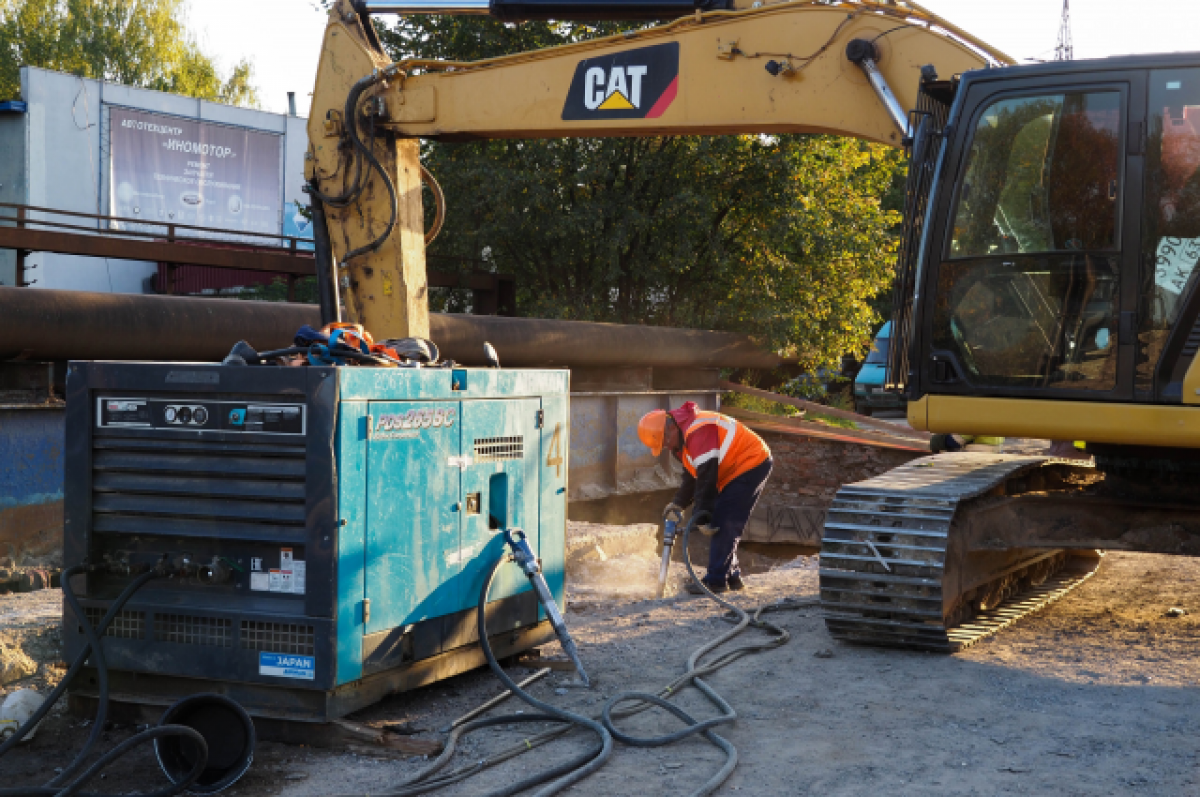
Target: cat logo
{"points": [[635, 84]]}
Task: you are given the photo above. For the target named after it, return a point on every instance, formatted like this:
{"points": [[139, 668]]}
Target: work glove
{"points": [[707, 530], [672, 508]]}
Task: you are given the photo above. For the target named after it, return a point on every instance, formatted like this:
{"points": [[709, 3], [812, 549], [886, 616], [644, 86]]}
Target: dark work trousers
{"points": [[730, 514]]}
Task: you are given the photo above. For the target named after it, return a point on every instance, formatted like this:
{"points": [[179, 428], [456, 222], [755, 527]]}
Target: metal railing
{"points": [[22, 220], [174, 246]]}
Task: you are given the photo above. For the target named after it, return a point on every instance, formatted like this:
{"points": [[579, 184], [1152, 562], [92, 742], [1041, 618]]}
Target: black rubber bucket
{"points": [[227, 729]]}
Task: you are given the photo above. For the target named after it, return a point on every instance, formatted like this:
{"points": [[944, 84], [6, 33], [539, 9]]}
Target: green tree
{"points": [[141, 43], [783, 237]]}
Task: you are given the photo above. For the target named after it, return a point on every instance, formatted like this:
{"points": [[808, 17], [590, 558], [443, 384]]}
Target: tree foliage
{"points": [[141, 43], [783, 237]]}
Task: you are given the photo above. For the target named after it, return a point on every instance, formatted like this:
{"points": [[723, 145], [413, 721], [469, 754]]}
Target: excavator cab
{"points": [[1059, 242]]}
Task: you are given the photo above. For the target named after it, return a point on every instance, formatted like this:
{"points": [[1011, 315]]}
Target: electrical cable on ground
{"points": [[593, 758], [63, 784]]}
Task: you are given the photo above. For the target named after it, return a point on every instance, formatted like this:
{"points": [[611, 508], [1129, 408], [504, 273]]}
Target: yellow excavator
{"points": [[1046, 283]]}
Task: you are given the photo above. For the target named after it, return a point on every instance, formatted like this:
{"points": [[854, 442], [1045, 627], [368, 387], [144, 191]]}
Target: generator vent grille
{"points": [[189, 630], [493, 449], [126, 625], [278, 637]]}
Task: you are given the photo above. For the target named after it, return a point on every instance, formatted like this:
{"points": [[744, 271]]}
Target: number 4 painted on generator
{"points": [[554, 455]]}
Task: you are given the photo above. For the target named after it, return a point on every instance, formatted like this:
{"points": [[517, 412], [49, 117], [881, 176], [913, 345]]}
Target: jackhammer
{"points": [[672, 519]]}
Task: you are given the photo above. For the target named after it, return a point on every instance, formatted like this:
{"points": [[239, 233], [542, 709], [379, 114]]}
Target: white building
{"points": [[56, 152]]}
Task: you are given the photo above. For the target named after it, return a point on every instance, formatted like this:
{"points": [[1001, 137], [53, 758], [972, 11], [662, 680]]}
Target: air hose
{"points": [[66, 783], [593, 758]]}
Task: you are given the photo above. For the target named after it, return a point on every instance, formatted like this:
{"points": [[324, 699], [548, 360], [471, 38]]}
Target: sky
{"points": [[282, 37]]}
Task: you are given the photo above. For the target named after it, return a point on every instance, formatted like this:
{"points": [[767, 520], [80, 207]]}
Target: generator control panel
{"points": [[192, 414]]}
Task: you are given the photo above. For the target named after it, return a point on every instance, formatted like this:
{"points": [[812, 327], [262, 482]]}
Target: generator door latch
{"points": [[472, 503], [366, 611]]}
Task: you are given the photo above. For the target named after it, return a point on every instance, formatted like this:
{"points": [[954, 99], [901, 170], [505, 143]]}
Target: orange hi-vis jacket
{"points": [[736, 448]]}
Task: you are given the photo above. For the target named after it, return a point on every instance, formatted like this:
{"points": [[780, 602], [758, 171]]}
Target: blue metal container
{"points": [[338, 524]]}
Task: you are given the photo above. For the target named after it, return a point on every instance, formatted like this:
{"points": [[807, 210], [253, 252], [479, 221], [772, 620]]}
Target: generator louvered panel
{"points": [[198, 488], [494, 449], [126, 625], [192, 630], [277, 637]]}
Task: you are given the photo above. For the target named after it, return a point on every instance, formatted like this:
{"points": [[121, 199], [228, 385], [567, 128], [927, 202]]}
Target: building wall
{"points": [[14, 185], [65, 164]]}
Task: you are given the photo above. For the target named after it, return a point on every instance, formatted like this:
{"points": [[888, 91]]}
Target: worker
{"points": [[726, 467]]}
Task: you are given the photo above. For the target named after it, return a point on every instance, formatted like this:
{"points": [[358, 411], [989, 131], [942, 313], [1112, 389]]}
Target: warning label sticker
{"points": [[281, 580]]}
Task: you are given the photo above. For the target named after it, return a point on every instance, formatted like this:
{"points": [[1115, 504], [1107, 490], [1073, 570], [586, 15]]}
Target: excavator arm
{"points": [[848, 68]]}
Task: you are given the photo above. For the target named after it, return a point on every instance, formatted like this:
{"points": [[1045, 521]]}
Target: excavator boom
{"points": [[850, 68]]}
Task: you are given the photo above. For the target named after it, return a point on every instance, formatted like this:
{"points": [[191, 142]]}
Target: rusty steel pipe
{"points": [[77, 325], [529, 342]]}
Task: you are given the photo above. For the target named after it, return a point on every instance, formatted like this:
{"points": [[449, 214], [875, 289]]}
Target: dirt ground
{"points": [[1097, 695]]}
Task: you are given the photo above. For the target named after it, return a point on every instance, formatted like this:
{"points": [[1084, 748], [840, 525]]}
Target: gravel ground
{"points": [[1095, 695]]}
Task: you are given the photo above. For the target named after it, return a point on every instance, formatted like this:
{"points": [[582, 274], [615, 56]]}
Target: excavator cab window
{"points": [[1170, 226], [1028, 295]]}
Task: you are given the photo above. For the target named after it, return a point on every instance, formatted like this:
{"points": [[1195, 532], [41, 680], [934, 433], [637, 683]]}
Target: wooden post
{"points": [[291, 287]]}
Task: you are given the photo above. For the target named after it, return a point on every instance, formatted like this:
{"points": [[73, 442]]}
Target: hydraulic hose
{"points": [[692, 675], [63, 784], [588, 762], [364, 152], [393, 200], [350, 120], [546, 708]]}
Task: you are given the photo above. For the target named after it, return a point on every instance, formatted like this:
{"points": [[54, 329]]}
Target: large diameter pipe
{"points": [[529, 342], [78, 325]]}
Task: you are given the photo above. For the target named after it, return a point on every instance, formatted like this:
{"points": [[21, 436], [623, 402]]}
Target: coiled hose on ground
{"points": [[579, 767], [66, 782]]}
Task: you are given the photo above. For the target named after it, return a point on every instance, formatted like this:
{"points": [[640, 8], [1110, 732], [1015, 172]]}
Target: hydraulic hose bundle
{"points": [[67, 782], [605, 731]]}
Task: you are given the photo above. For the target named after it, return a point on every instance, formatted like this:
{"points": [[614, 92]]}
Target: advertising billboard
{"points": [[173, 170]]}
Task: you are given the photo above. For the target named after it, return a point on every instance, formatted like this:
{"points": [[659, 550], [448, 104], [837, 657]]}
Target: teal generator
{"points": [[331, 528]]}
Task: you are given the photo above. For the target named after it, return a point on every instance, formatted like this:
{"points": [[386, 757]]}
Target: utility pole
{"points": [[1064, 51]]}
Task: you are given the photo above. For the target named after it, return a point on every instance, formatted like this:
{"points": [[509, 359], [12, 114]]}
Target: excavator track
{"points": [[893, 573]]}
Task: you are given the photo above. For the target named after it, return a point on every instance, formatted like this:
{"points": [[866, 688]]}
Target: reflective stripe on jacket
{"points": [[738, 449]]}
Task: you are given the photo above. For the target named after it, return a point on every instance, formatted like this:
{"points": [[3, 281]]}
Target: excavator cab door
{"points": [[1034, 239], [1167, 328]]}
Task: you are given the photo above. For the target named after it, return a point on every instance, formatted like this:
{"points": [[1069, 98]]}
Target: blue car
{"points": [[869, 394]]}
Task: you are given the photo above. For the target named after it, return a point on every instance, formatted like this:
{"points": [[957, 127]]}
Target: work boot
{"points": [[736, 583], [694, 588]]}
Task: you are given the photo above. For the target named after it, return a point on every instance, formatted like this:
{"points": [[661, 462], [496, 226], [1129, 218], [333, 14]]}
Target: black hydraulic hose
{"points": [[150, 734], [562, 714], [350, 120], [327, 287], [98, 661], [77, 665], [692, 675], [393, 200], [425, 782], [60, 786]]}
